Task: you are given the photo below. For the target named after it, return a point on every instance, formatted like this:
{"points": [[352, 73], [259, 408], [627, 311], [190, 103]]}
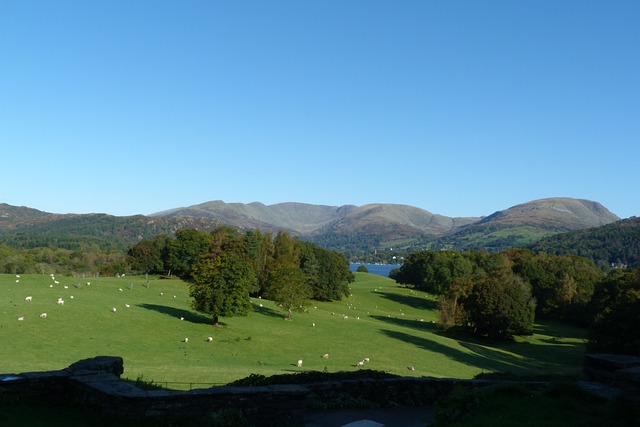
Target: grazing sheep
{"points": [[17, 276], [56, 282], [113, 309], [60, 301], [127, 305], [411, 368], [186, 340], [313, 324], [71, 297], [181, 318], [43, 315], [209, 339], [66, 287], [360, 364], [29, 298], [161, 293], [21, 318], [366, 359], [300, 363], [17, 280], [325, 356]]}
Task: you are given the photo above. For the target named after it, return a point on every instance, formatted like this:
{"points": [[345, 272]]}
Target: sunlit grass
{"points": [[393, 326]]}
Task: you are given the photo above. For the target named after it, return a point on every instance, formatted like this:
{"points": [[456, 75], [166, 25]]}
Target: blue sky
{"points": [[460, 108]]}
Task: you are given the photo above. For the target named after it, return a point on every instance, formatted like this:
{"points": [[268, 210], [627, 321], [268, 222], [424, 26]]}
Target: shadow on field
{"points": [[508, 357], [266, 311], [408, 323], [178, 313], [411, 300]]}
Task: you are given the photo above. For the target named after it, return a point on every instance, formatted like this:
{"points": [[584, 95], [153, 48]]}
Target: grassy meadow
{"points": [[390, 325]]}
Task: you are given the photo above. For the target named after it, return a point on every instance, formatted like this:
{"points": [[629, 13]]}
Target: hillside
{"points": [[348, 228], [526, 223], [27, 228], [616, 244]]}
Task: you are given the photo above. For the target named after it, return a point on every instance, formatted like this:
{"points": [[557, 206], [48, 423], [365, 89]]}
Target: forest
{"points": [[499, 295]]}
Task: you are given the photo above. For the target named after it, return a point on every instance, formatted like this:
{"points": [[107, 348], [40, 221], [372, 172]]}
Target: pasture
{"points": [[390, 325]]}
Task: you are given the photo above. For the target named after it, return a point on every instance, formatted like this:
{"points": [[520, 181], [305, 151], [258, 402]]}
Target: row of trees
{"points": [[225, 268], [500, 294]]}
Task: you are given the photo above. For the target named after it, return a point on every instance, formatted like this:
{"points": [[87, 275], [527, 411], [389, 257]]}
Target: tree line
{"points": [[499, 295], [225, 268]]}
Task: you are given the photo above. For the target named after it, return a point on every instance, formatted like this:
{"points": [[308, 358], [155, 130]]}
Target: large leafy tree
{"points": [[616, 303], [288, 287], [147, 255], [186, 250], [221, 285]]}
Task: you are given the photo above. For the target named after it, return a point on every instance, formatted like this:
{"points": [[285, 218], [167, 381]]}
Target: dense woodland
{"points": [[499, 295], [225, 267]]}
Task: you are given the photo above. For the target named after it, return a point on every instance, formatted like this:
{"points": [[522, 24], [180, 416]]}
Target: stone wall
{"points": [[96, 383]]}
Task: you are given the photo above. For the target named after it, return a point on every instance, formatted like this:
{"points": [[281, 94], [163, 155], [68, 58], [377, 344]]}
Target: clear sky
{"points": [[461, 108]]}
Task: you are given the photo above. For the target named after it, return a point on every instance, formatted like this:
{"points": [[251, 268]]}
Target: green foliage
{"points": [[616, 304], [432, 271], [362, 269], [559, 405], [612, 245]]}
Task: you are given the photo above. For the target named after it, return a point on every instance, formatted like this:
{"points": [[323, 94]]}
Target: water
{"points": [[379, 269]]}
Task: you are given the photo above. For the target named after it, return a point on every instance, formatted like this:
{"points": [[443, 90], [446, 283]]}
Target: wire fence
{"points": [[174, 385]]}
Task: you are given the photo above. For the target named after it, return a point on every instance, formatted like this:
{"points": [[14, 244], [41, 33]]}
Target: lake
{"points": [[379, 269]]}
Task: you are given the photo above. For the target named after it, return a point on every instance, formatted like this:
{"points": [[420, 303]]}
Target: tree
{"points": [[146, 256], [221, 286], [288, 287], [616, 304], [186, 250], [500, 306], [362, 269], [433, 271]]}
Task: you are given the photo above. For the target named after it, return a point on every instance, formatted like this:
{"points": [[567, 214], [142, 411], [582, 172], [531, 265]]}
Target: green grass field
{"points": [[389, 324]]}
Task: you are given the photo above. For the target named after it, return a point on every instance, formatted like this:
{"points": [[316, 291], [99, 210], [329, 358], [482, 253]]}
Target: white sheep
{"points": [[127, 305], [360, 364], [21, 318], [181, 318], [411, 368], [43, 315], [366, 359], [17, 280], [186, 340], [325, 356], [17, 276], [300, 363], [60, 301], [29, 298], [209, 339], [313, 324], [120, 289], [113, 309]]}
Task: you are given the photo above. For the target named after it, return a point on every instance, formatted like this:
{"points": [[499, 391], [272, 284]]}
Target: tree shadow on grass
{"points": [[479, 356], [414, 301], [178, 313], [266, 311], [408, 323]]}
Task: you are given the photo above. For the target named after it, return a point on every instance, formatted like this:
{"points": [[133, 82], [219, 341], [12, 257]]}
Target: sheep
{"points": [[60, 301], [181, 318], [17, 276], [66, 287], [209, 339], [325, 356], [113, 309], [313, 324], [300, 363], [120, 290], [186, 340], [411, 368], [17, 280], [29, 298], [127, 305], [366, 359], [43, 315], [56, 282], [21, 318], [360, 364]]}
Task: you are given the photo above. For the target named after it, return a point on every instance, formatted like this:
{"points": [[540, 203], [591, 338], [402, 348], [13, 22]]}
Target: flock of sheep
{"points": [[60, 302]]}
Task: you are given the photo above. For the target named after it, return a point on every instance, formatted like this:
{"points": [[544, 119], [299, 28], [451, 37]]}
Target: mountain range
{"points": [[341, 228]]}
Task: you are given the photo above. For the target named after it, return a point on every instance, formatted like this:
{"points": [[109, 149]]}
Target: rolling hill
{"points": [[340, 228]]}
